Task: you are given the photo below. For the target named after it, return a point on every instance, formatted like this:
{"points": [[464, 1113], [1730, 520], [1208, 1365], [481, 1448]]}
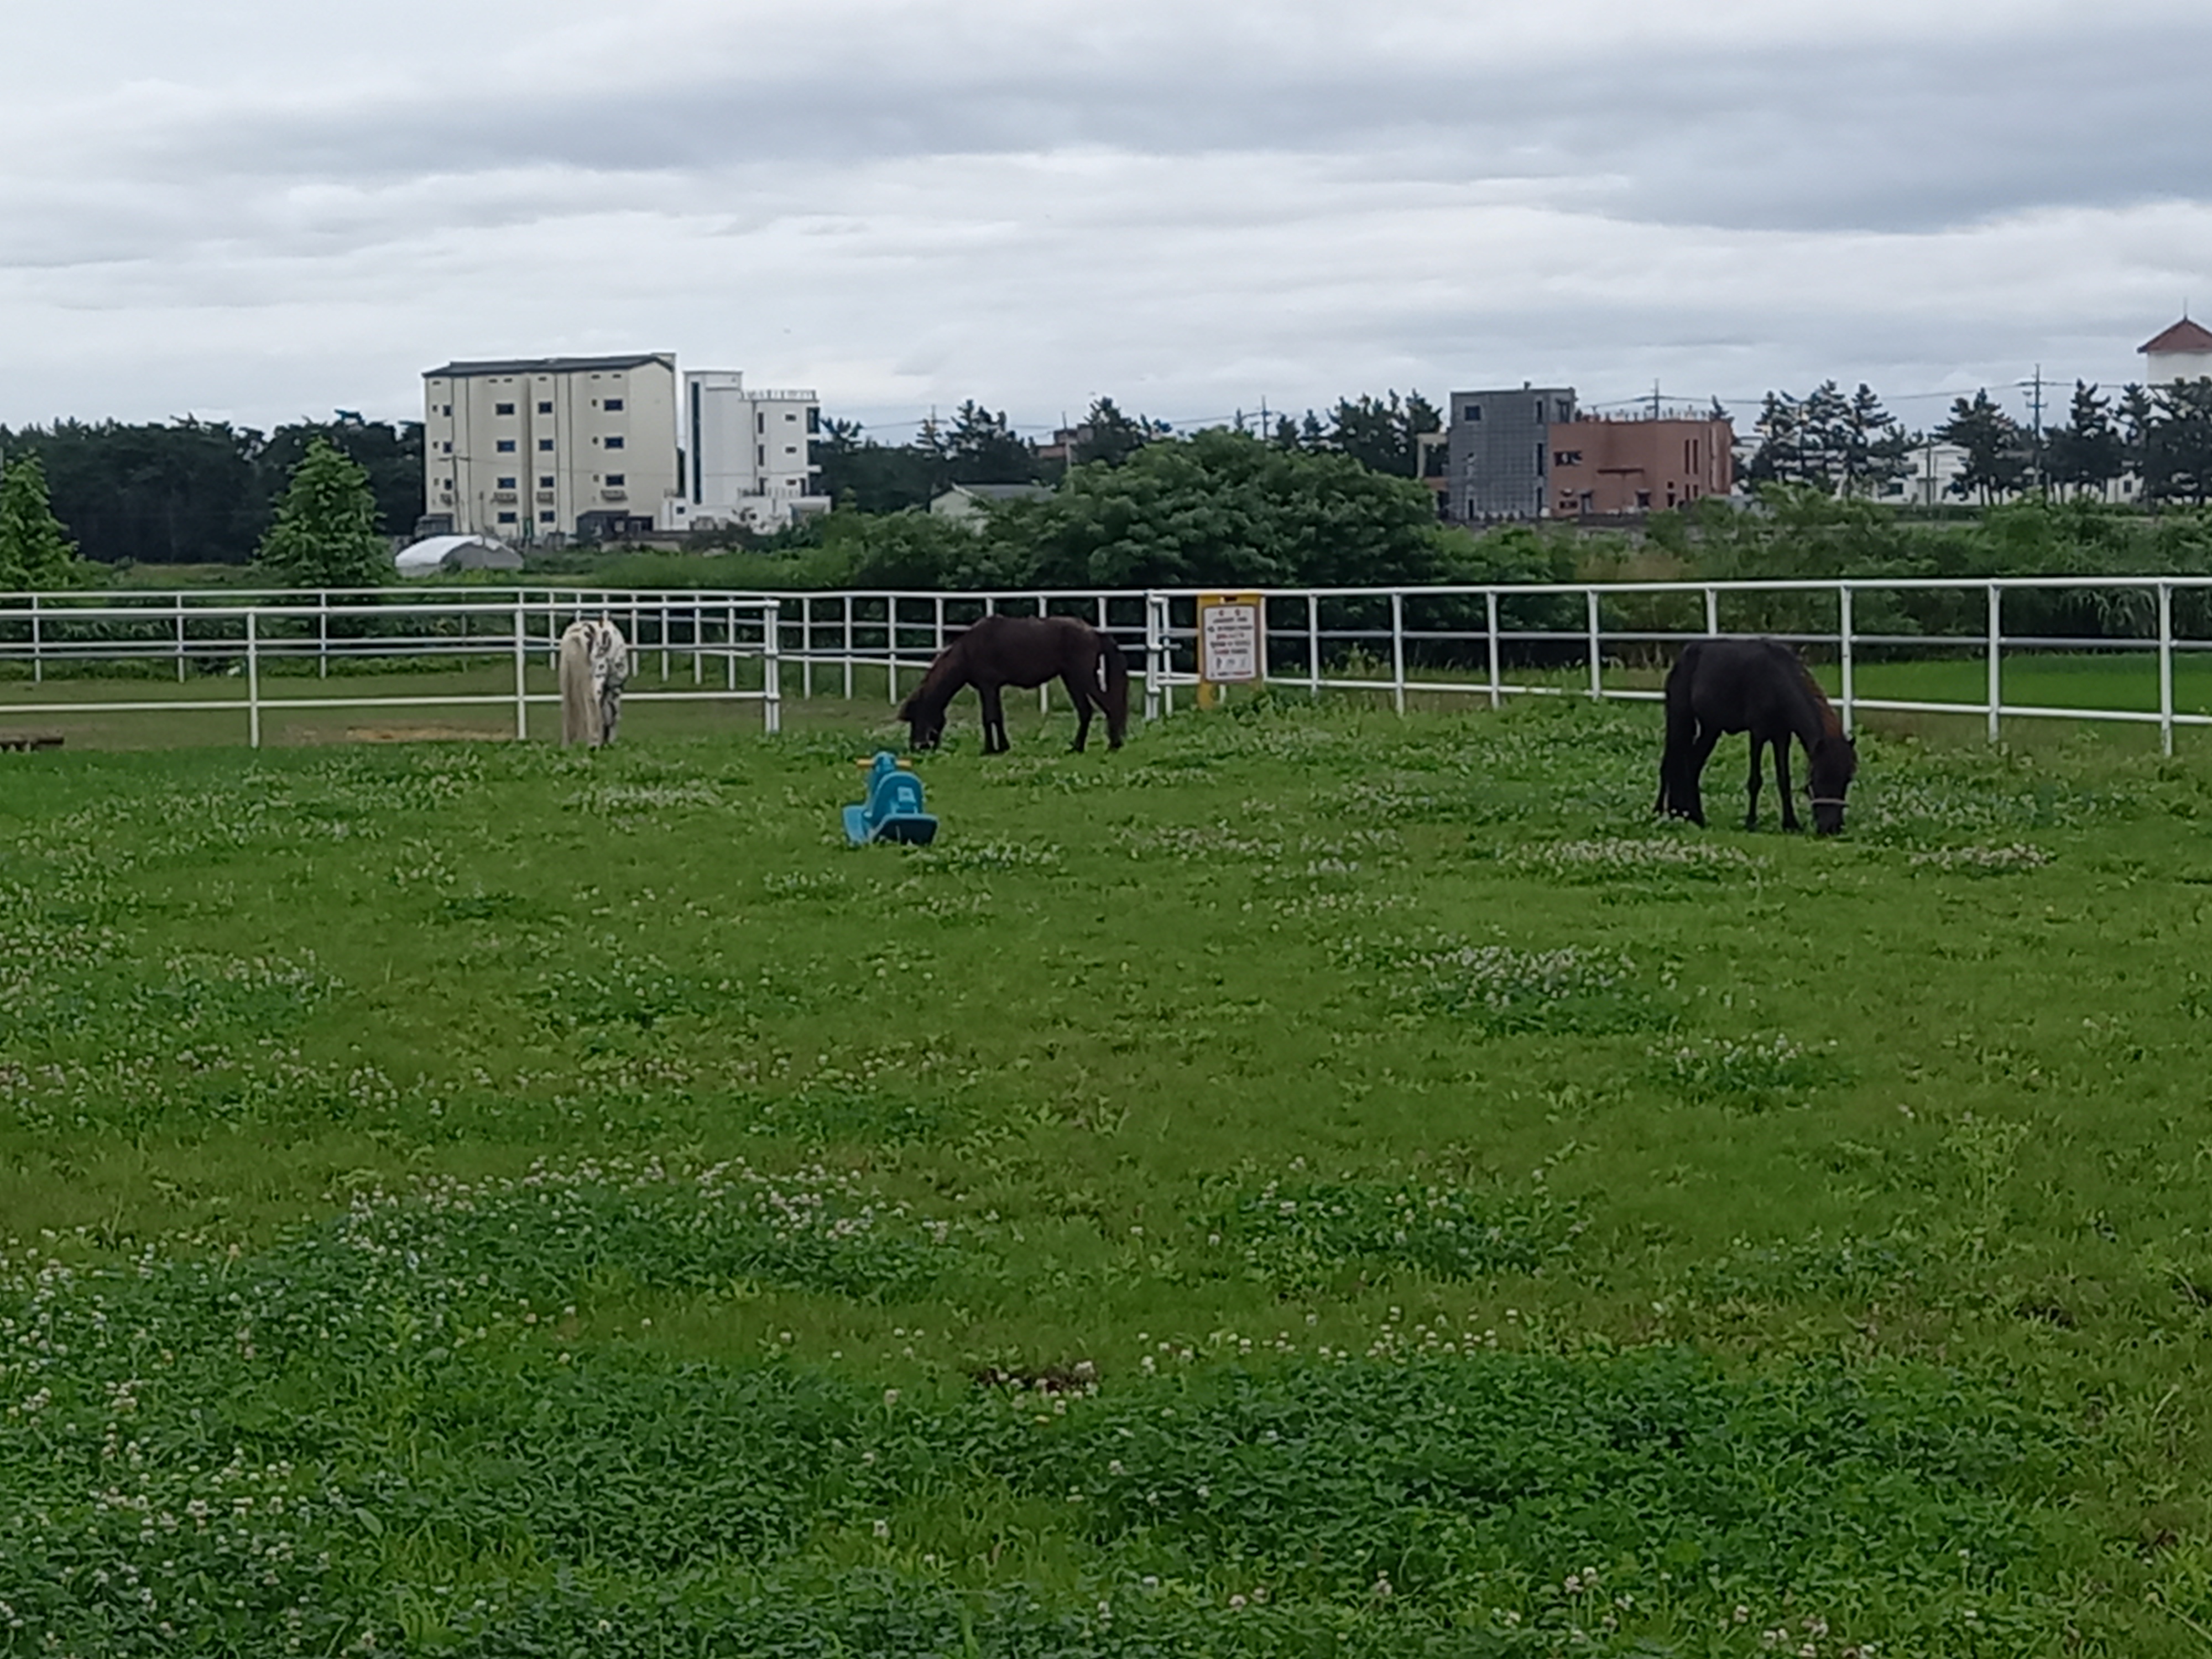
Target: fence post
{"points": [[1153, 669], [1497, 675], [180, 639], [2164, 668], [664, 639], [1996, 646], [891, 646], [698, 640], [323, 633], [1712, 613], [521, 673], [730, 642], [1398, 650], [771, 668], [806, 648], [845, 641], [252, 682], [1844, 650], [1313, 645], [1597, 661], [38, 661]]}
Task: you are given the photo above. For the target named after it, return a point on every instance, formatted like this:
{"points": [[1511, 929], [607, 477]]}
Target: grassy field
{"points": [[1311, 1183]]}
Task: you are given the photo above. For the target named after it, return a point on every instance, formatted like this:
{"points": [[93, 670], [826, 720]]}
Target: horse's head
{"points": [[1835, 763], [925, 724]]}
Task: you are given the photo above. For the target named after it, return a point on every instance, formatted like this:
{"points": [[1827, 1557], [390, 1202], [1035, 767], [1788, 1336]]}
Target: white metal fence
{"points": [[265, 642], [1605, 641]]}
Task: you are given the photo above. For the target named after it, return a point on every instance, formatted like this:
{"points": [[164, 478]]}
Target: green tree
{"points": [[859, 473], [324, 535], [2087, 452], [35, 551], [1108, 436], [2178, 459], [1997, 449], [1874, 450], [1222, 507], [1382, 434], [1779, 457], [980, 448]]}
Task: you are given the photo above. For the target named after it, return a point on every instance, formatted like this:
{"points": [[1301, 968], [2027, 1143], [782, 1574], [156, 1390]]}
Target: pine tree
{"points": [[35, 551], [325, 530], [1997, 449]]}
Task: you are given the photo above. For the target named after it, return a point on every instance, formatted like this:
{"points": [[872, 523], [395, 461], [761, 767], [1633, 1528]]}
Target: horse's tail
{"points": [[580, 704], [1681, 728], [1114, 667]]}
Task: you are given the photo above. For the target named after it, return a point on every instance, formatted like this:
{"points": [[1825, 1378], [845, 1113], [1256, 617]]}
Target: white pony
{"points": [[594, 663]]}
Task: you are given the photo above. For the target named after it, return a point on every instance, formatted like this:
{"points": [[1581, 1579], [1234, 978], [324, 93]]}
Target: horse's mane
{"points": [[940, 683], [1831, 724]]}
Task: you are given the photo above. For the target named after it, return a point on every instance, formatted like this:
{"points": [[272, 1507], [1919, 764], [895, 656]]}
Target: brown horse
{"points": [[1762, 687], [1024, 651]]}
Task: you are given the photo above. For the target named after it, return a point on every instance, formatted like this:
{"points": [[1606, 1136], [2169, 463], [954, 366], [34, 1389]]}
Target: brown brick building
{"points": [[1624, 466]]}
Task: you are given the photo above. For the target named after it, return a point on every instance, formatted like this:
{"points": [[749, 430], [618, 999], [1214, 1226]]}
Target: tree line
{"points": [[978, 446], [1848, 444], [203, 492]]}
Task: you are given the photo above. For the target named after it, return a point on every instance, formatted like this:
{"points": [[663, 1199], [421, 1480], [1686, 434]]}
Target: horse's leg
{"points": [[1690, 798], [1782, 781], [1751, 811], [995, 720], [1080, 695]]}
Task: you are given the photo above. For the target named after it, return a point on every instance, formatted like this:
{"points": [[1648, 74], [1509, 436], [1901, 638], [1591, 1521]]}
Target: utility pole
{"points": [[2035, 430]]}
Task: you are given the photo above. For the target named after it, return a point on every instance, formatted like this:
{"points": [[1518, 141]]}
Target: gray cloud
{"points": [[1035, 204]]}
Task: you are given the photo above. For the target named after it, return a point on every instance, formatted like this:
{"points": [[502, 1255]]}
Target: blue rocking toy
{"points": [[892, 811]]}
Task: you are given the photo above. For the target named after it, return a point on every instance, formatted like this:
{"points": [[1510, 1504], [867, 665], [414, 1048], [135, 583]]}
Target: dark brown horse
{"points": [[1762, 687], [1024, 651]]}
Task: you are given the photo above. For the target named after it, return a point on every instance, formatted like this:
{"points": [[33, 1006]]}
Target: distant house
{"points": [[1501, 452], [1626, 465], [2183, 352], [969, 503]]}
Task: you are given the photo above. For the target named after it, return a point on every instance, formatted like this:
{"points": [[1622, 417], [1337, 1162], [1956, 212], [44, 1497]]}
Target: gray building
{"points": [[1501, 451]]}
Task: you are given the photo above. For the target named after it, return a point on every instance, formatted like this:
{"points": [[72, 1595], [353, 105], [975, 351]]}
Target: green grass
{"points": [[1310, 1184]]}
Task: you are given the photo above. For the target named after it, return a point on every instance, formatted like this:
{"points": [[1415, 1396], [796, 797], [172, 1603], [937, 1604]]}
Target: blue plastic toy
{"points": [[892, 811]]}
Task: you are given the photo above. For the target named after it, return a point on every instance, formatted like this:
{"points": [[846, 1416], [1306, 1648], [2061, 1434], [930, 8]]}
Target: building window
{"points": [[505, 446], [1473, 412], [760, 455], [790, 414], [545, 517], [546, 481], [1566, 458], [503, 409], [614, 443], [545, 405], [506, 518], [447, 447], [445, 409], [1643, 498], [545, 445], [617, 479], [614, 404], [505, 483], [814, 420], [1539, 457], [1540, 411]]}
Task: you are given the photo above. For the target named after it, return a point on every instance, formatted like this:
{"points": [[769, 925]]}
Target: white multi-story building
{"points": [[534, 449], [747, 455]]}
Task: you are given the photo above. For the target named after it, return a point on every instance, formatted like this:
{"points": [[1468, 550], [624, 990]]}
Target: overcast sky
{"points": [[262, 211]]}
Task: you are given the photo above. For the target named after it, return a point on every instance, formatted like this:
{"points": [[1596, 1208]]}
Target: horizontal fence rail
{"points": [[253, 638], [1487, 644]]}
